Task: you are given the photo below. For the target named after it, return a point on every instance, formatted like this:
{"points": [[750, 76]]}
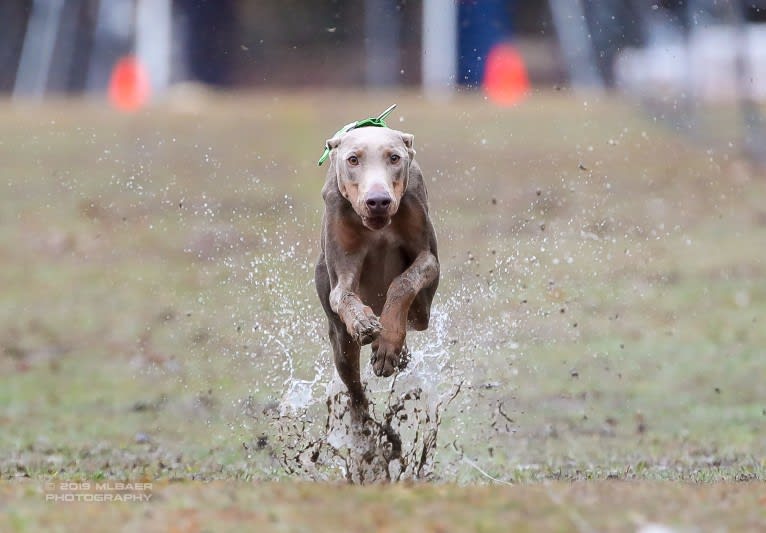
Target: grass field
{"points": [[602, 296]]}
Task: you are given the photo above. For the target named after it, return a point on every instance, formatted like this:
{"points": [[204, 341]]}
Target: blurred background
{"points": [[674, 55], [593, 168]]}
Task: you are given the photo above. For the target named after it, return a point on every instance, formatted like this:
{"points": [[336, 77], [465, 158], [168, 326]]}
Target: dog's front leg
{"points": [[361, 322], [387, 350]]}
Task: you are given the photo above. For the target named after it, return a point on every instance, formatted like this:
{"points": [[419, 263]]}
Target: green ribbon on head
{"points": [[376, 122]]}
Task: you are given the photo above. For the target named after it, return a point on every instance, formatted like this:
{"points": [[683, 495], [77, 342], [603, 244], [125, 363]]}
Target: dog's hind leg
{"points": [[346, 355], [419, 314], [344, 348]]}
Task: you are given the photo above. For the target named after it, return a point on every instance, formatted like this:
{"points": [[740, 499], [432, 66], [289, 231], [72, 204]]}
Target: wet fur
{"points": [[391, 273]]}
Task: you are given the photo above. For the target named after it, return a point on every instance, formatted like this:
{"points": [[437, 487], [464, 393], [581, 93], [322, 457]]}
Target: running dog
{"points": [[378, 269]]}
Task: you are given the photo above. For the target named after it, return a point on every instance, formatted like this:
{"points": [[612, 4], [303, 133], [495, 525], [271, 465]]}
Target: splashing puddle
{"points": [[365, 445]]}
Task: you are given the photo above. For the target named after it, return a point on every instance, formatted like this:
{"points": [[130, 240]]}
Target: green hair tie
{"points": [[376, 122]]}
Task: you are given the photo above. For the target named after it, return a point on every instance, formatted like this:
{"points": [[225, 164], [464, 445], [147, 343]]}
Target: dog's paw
{"points": [[366, 329], [388, 357]]}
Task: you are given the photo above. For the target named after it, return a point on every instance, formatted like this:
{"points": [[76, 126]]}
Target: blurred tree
{"points": [[14, 23], [211, 39]]}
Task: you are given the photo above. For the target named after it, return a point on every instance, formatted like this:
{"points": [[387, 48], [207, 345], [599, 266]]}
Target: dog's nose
{"points": [[377, 203]]}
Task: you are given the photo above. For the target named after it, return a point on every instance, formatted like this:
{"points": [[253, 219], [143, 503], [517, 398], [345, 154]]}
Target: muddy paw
{"points": [[387, 358], [366, 329]]}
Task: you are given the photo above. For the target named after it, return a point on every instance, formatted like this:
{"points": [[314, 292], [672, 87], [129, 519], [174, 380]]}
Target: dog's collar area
{"points": [[378, 122]]}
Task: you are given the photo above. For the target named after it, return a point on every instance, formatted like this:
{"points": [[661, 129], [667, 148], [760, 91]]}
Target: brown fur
{"points": [[365, 271]]}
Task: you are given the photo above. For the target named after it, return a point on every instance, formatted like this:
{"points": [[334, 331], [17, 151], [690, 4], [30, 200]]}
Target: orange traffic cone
{"points": [[505, 75], [129, 87]]}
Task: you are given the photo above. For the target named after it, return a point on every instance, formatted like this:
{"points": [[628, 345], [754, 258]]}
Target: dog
{"points": [[378, 269]]}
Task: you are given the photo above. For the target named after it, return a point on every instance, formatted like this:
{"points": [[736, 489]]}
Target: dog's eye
{"points": [[394, 158], [353, 160]]}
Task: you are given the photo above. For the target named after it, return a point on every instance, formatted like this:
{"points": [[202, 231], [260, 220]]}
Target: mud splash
{"points": [[394, 440], [364, 447]]}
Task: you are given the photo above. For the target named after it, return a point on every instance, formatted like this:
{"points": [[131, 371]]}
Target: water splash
{"points": [[419, 421], [394, 440]]}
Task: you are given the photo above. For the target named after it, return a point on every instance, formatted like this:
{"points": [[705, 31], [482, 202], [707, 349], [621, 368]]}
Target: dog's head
{"points": [[372, 166]]}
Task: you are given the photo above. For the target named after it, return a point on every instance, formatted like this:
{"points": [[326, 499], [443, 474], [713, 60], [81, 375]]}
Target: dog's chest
{"points": [[384, 261], [385, 239], [385, 253]]}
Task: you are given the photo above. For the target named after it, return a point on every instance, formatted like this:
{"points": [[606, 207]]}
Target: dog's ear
{"points": [[331, 145], [408, 139]]}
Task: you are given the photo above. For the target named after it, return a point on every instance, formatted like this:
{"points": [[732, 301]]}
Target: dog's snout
{"points": [[378, 203]]}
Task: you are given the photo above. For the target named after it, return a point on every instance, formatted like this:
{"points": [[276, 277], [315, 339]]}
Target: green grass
{"points": [[603, 281], [579, 506]]}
